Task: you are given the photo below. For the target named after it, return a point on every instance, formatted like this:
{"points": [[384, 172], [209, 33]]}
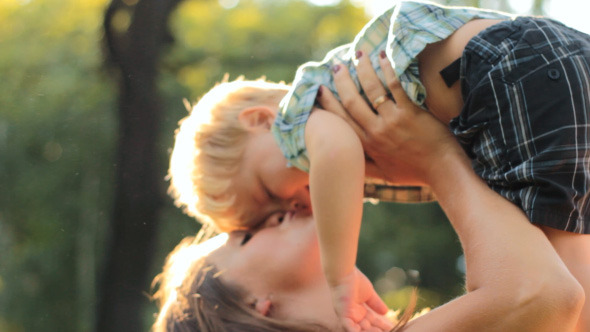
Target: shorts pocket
{"points": [[527, 60]]}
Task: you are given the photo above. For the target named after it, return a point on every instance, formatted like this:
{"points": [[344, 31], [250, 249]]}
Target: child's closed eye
{"points": [[273, 220]]}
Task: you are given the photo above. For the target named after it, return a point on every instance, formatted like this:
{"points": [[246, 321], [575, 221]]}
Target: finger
{"points": [[377, 304], [357, 312], [382, 325], [351, 99], [328, 102], [350, 326], [399, 95], [379, 321], [372, 329], [371, 298], [365, 324], [369, 80]]}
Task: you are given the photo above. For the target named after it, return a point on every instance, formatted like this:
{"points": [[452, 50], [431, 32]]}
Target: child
{"points": [[537, 159]]}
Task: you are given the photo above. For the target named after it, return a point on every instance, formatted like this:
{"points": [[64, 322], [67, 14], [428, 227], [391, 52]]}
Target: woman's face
{"points": [[280, 263]]}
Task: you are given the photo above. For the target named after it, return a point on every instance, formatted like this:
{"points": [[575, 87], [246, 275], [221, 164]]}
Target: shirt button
{"points": [[553, 74]]}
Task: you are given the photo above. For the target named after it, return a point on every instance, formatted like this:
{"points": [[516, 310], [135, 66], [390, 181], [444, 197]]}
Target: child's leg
{"points": [[574, 250]]}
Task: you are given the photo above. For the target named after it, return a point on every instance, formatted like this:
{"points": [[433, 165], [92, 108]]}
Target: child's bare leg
{"points": [[574, 250]]}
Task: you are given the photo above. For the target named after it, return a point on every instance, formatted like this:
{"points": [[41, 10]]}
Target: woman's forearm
{"points": [[515, 280]]}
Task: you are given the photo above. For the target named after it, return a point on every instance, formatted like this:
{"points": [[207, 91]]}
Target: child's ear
{"points": [[257, 117]]}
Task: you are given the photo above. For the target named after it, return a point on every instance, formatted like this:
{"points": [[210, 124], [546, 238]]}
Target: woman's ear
{"points": [[257, 117], [262, 306]]}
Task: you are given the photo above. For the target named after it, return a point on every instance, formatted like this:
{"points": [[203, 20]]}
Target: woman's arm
{"points": [[515, 280]]}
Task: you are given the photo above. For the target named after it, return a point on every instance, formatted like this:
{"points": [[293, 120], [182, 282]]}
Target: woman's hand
{"points": [[406, 143]]}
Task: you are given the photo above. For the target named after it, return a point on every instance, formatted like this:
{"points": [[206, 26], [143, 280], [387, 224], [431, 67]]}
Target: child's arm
{"points": [[336, 177], [336, 180]]}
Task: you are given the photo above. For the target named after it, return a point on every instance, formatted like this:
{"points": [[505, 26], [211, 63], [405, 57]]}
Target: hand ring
{"points": [[380, 100]]}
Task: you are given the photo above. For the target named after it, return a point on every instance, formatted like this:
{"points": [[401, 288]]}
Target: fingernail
{"points": [[358, 54], [336, 68], [319, 94], [382, 54]]}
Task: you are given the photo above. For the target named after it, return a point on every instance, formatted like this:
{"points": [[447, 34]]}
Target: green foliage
{"points": [[56, 143], [254, 41], [410, 245]]}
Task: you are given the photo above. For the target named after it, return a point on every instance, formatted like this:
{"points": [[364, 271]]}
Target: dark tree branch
{"points": [[133, 55]]}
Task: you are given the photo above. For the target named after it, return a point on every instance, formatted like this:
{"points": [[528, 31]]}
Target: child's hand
{"points": [[357, 304], [371, 322]]}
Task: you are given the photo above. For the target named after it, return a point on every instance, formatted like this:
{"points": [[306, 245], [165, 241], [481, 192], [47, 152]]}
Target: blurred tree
{"points": [[56, 134], [135, 33]]}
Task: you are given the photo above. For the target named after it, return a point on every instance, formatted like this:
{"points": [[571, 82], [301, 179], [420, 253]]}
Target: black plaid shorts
{"points": [[526, 119]]}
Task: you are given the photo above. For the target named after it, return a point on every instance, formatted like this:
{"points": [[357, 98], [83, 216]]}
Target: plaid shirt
{"points": [[402, 31]]}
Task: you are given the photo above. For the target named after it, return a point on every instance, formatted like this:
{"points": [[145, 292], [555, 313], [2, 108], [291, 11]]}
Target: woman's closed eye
{"points": [[246, 238]]}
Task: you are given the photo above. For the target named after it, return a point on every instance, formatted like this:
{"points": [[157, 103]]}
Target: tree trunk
{"points": [[134, 37]]}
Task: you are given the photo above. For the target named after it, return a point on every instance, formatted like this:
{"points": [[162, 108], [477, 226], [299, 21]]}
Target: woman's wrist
{"points": [[449, 167]]}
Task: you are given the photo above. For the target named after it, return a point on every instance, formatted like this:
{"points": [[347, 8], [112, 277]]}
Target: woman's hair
{"points": [[192, 297], [209, 145]]}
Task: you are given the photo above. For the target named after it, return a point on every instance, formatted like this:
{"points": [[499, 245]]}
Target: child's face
{"points": [[265, 185]]}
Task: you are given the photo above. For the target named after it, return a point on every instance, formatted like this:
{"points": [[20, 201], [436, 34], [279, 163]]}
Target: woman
{"points": [[271, 280], [268, 279]]}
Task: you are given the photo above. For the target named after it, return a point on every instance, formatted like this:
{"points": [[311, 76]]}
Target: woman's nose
{"points": [[296, 205], [301, 202]]}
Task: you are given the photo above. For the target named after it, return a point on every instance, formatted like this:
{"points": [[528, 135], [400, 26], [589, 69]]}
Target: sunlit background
{"points": [[59, 121], [574, 12]]}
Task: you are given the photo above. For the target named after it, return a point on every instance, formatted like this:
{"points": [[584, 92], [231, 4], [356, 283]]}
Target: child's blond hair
{"points": [[208, 150]]}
